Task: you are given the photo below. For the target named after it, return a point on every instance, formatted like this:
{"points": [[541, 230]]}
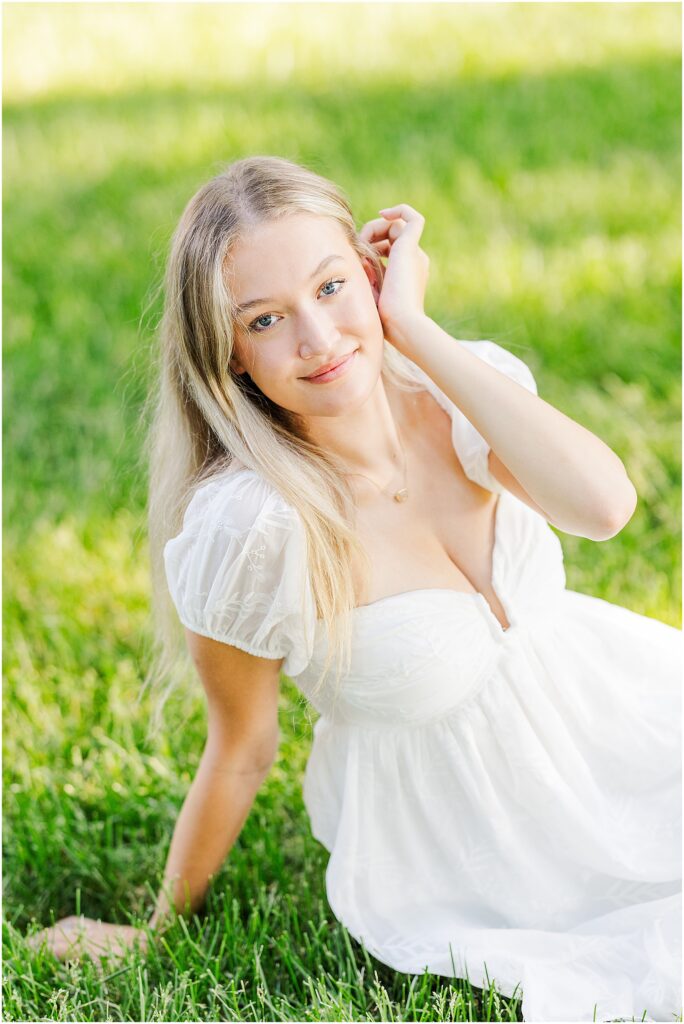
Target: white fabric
{"points": [[237, 570], [498, 804]]}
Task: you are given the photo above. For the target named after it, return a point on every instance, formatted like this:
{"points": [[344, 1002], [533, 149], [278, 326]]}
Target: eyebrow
{"points": [[257, 302]]}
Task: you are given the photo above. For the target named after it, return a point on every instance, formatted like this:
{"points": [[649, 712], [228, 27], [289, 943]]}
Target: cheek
{"points": [[373, 328], [261, 361], [242, 353], [271, 370], [360, 314], [362, 301]]}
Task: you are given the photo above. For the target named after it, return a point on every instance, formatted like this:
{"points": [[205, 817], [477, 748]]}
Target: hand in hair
{"points": [[396, 236]]}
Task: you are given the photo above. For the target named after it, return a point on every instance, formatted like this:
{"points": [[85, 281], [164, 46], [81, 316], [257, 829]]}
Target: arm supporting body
{"points": [[242, 695]]}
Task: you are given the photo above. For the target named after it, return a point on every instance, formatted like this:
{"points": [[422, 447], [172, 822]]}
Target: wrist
{"points": [[160, 921], [406, 332]]}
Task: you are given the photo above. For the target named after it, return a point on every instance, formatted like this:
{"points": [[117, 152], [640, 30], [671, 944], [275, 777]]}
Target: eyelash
{"points": [[333, 280]]}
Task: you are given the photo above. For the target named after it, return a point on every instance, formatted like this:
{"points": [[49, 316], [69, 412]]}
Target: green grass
{"points": [[542, 144]]}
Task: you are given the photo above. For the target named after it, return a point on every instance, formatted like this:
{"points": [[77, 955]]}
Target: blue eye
{"points": [[339, 280], [259, 329], [263, 327]]}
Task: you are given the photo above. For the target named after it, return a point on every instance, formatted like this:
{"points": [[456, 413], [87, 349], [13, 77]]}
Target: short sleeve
{"points": [[470, 446], [237, 571]]}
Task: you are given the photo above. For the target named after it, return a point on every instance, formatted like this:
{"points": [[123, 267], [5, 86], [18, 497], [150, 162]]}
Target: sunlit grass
{"points": [[113, 48], [542, 143]]}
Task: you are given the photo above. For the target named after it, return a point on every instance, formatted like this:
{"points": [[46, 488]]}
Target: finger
{"points": [[43, 941], [35, 942], [396, 228], [414, 219], [401, 210], [66, 946], [375, 230]]}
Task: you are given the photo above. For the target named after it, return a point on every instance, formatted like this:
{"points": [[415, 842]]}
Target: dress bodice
{"points": [[419, 653]]}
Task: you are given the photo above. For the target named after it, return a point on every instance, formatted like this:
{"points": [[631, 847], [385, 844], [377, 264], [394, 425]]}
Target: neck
{"points": [[366, 439]]}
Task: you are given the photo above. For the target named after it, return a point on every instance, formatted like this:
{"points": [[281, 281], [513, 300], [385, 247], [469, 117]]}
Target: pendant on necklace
{"points": [[401, 495]]}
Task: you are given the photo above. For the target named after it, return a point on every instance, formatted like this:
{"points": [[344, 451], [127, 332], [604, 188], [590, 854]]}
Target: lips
{"points": [[329, 366]]}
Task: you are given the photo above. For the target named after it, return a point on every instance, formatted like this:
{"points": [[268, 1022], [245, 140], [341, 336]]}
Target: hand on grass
{"points": [[75, 937]]}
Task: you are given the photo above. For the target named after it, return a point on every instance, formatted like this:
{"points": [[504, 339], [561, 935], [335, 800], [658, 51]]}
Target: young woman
{"points": [[343, 492]]}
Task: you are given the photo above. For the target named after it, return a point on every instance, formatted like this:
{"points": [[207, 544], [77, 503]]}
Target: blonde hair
{"points": [[205, 416]]}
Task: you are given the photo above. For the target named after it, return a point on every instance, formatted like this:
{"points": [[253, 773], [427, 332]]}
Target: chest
{"points": [[442, 537]]}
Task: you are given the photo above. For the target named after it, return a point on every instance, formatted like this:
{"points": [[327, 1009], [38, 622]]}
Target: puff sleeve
{"points": [[469, 444], [237, 571]]}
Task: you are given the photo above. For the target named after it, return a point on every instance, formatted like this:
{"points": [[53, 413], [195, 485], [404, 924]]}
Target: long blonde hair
{"points": [[204, 416]]}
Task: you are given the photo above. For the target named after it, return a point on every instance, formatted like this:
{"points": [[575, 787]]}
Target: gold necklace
{"points": [[402, 493]]}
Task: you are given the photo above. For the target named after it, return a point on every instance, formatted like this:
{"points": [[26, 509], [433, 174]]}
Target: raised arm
{"points": [[561, 469]]}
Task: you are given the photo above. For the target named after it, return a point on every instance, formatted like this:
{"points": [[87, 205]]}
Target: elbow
{"points": [[619, 515], [250, 755]]}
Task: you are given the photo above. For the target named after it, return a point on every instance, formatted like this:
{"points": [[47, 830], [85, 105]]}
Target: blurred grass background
{"points": [[542, 142]]}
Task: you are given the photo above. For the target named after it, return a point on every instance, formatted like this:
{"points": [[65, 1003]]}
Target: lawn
{"points": [[542, 143]]}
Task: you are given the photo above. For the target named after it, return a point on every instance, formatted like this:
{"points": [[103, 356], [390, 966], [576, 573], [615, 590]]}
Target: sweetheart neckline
{"points": [[472, 594]]}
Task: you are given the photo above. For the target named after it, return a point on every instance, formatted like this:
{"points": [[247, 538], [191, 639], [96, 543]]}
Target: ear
{"points": [[237, 366], [372, 276]]}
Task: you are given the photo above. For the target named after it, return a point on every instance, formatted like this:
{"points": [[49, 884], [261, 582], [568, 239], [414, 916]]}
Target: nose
{"points": [[316, 333]]}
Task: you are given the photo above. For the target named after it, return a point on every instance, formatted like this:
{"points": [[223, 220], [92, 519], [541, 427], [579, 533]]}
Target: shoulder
{"points": [[237, 571], [237, 501], [239, 536]]}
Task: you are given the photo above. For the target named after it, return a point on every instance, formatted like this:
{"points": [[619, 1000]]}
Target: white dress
{"points": [[503, 805]]}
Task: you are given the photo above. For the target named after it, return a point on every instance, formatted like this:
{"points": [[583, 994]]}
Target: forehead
{"points": [[284, 251]]}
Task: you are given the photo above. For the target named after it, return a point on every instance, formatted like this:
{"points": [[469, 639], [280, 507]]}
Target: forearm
{"points": [[213, 813], [579, 482]]}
